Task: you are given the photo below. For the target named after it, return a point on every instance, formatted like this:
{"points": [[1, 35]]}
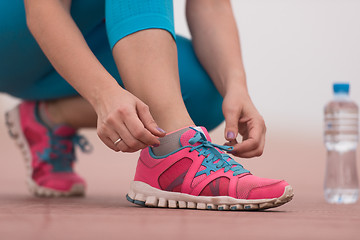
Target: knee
{"points": [[7, 85]]}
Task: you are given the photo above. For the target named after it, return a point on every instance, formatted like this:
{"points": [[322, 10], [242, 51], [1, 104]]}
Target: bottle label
{"points": [[340, 126]]}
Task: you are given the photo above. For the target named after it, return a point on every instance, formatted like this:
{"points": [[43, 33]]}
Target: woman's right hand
{"points": [[123, 115]]}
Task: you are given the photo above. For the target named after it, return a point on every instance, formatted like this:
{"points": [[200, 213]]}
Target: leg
{"points": [[48, 152], [25, 71], [152, 73], [202, 100], [71, 111], [157, 84], [37, 80], [161, 91]]}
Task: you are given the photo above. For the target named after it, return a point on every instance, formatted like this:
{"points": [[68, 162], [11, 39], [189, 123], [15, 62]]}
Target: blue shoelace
{"points": [[208, 149], [59, 155]]}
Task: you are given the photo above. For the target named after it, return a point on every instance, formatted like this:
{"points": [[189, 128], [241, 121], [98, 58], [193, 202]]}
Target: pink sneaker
{"points": [[200, 175], [49, 154]]}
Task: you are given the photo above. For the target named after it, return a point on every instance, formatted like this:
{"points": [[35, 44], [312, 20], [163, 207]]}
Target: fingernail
{"points": [[156, 145], [230, 135], [160, 130]]}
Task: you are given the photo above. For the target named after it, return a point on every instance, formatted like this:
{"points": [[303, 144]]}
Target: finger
{"points": [[243, 130], [249, 154], [125, 148], [148, 121], [122, 130], [104, 136], [128, 138], [139, 132], [251, 147], [232, 116], [108, 142], [254, 137], [256, 152], [231, 143]]}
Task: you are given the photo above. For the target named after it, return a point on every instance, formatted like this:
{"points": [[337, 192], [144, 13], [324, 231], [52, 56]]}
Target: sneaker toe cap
{"points": [[61, 181], [274, 190]]}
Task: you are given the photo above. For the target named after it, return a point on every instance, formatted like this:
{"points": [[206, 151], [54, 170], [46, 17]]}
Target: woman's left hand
{"points": [[242, 117]]}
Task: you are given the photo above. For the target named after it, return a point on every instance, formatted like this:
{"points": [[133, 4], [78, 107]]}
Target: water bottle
{"points": [[341, 138]]}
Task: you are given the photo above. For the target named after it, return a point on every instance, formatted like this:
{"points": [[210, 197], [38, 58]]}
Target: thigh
{"points": [[53, 86], [22, 63], [201, 98], [26, 73]]}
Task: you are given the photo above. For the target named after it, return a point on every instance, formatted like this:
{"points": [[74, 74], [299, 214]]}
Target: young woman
{"points": [[173, 85]]}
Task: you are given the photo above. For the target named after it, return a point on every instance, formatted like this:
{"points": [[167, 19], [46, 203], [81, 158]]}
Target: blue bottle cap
{"points": [[341, 88]]}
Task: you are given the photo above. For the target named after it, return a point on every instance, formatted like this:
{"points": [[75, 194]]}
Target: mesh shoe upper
{"points": [[52, 150], [202, 168]]}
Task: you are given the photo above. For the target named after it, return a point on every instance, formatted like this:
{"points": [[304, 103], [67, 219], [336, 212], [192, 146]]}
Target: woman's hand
{"points": [[242, 117], [122, 115]]}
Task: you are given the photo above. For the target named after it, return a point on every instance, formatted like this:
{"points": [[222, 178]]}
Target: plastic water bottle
{"points": [[341, 139]]}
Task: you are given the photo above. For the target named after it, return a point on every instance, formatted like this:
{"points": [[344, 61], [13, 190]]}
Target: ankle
{"points": [[172, 122], [50, 113], [176, 126]]}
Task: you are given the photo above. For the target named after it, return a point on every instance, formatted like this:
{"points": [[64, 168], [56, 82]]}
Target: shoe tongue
{"points": [[186, 136], [64, 131]]}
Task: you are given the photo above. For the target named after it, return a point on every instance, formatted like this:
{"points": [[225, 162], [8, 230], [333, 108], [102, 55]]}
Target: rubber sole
{"points": [[143, 194], [12, 120]]}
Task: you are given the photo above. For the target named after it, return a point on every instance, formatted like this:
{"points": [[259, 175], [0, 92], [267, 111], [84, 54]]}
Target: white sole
{"points": [[143, 194], [12, 120]]}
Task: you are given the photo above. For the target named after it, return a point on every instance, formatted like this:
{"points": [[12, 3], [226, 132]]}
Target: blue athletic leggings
{"points": [[26, 73]]}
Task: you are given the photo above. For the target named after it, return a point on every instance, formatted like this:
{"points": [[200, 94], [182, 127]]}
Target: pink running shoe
{"points": [[200, 175], [49, 153]]}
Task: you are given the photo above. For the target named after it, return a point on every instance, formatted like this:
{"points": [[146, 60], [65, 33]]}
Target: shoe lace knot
{"points": [[60, 154], [212, 154]]}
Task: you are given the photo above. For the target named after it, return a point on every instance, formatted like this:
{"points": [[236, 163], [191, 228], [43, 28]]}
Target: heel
{"points": [[12, 121], [10, 118]]}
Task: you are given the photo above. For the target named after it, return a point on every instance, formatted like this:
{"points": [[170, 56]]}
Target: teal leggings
{"points": [[26, 73]]}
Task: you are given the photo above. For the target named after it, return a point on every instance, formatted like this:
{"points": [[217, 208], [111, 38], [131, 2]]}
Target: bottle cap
{"points": [[341, 88]]}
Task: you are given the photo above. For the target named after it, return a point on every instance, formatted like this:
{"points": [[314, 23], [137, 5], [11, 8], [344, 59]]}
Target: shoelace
{"points": [[208, 149], [60, 154]]}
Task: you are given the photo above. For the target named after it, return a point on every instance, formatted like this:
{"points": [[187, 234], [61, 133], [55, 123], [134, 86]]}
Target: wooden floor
{"points": [[105, 214]]}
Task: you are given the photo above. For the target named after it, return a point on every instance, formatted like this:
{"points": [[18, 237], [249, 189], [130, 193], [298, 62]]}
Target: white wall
{"points": [[293, 50]]}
